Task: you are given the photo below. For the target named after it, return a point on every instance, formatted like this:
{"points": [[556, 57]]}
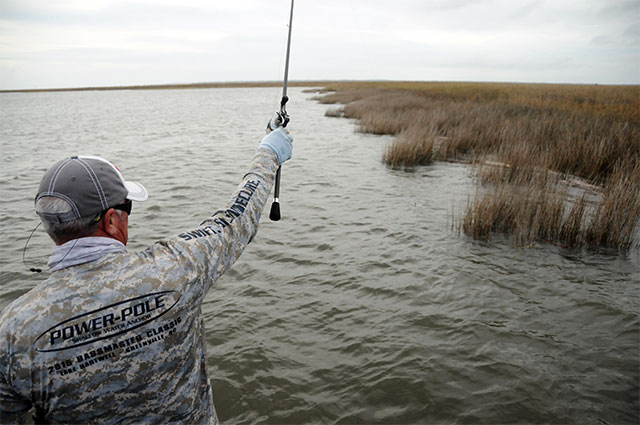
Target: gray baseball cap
{"points": [[90, 184]]}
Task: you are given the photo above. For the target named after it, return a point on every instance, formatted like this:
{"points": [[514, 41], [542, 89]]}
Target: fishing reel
{"points": [[281, 118]]}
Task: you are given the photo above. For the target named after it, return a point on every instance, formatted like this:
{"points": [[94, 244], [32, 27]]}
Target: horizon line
{"points": [[266, 83]]}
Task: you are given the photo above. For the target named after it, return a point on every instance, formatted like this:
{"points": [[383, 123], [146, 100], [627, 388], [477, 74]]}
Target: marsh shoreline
{"points": [[542, 136]]}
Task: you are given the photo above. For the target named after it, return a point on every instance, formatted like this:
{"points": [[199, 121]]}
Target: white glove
{"points": [[280, 142]]}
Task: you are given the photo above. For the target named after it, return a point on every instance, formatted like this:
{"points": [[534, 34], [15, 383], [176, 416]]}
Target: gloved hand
{"points": [[280, 142]]}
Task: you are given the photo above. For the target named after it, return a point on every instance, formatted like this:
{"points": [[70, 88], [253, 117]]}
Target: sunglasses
{"points": [[126, 207]]}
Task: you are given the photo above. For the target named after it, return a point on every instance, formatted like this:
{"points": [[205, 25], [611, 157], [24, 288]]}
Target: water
{"points": [[361, 305]]}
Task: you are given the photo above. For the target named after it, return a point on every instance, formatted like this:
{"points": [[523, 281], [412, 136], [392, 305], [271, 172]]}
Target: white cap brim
{"points": [[137, 192]]}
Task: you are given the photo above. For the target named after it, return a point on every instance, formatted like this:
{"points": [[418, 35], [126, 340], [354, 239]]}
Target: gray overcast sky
{"points": [[70, 43]]}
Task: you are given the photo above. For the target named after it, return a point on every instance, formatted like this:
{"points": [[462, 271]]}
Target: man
{"points": [[113, 336]]}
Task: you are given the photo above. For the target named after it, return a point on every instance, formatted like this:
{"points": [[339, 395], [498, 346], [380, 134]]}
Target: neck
{"points": [[118, 236]]}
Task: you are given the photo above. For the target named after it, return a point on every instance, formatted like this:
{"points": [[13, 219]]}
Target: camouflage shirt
{"points": [[121, 339]]}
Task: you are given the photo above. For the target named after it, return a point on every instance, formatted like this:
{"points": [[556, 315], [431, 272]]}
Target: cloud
{"points": [[102, 42]]}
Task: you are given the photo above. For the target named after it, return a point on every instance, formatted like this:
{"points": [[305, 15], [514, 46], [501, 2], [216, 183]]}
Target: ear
{"points": [[115, 225], [110, 222]]}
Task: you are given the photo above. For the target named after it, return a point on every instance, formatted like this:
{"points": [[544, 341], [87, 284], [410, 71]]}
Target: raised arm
{"points": [[219, 240]]}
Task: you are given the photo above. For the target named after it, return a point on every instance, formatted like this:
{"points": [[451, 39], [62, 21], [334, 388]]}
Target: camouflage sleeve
{"points": [[219, 240], [13, 407]]}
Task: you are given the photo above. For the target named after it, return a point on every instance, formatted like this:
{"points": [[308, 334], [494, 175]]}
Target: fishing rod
{"points": [[281, 119]]}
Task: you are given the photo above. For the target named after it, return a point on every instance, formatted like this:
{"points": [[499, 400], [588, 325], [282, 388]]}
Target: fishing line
{"points": [[24, 252], [65, 255], [38, 270]]}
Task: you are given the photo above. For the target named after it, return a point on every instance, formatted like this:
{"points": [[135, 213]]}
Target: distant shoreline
{"points": [[309, 83], [239, 84]]}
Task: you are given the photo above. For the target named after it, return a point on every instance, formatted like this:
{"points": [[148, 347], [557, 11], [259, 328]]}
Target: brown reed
{"points": [[615, 220], [524, 138], [412, 147], [585, 144]]}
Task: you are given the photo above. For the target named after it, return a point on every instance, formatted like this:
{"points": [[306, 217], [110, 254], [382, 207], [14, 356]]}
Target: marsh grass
{"points": [[525, 139], [412, 147], [528, 213], [615, 220], [543, 210]]}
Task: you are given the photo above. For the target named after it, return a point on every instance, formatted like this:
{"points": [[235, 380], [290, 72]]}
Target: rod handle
{"points": [[274, 214]]}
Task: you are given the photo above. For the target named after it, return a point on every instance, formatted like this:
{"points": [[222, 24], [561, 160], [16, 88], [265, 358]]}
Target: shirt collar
{"points": [[83, 250]]}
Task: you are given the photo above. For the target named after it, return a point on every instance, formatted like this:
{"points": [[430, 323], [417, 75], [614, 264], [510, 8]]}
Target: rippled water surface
{"points": [[362, 304]]}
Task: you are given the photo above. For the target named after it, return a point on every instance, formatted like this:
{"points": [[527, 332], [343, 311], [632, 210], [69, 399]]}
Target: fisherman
{"points": [[115, 336]]}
